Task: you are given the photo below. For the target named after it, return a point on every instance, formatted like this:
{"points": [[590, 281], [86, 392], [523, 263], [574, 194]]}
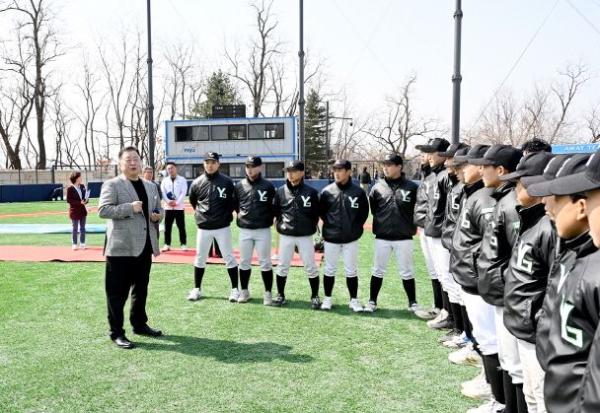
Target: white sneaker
{"points": [[355, 305], [81, 246], [165, 248], [244, 296], [327, 304], [74, 247], [184, 247], [456, 342], [267, 298], [466, 356], [440, 317], [477, 388], [491, 406], [194, 294], [371, 307], [234, 295], [424, 314]]}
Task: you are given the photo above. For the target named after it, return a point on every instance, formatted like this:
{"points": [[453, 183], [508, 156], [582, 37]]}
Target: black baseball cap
{"points": [[295, 165], [393, 158], [536, 185], [341, 164], [530, 165], [500, 155], [434, 145], [451, 150], [211, 155], [460, 154], [587, 179], [475, 152], [253, 161]]}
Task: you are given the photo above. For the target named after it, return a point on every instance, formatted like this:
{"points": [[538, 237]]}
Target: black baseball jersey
{"points": [[296, 209], [253, 202], [422, 203], [436, 200], [527, 275], [211, 197], [497, 245], [573, 326], [344, 210], [453, 201], [393, 206], [476, 211]]}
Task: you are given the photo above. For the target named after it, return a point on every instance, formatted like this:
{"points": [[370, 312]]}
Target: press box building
{"points": [[273, 139]]}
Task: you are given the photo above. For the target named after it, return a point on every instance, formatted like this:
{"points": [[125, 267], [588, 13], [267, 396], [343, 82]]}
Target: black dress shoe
{"points": [[123, 342], [146, 330]]}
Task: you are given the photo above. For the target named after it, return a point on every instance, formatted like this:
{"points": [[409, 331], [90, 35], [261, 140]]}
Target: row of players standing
{"points": [[296, 208], [518, 271]]}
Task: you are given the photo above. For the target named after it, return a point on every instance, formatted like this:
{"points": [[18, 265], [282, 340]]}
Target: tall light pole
{"points": [[151, 137], [301, 101], [456, 77]]}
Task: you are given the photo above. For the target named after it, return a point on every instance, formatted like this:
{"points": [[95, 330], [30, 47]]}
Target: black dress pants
{"points": [[125, 274], [179, 217]]}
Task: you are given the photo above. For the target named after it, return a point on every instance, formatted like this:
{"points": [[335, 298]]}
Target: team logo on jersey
{"points": [[454, 204], [306, 201], [222, 193], [262, 196], [464, 220], [353, 201], [569, 334], [523, 262], [405, 195], [436, 193]]}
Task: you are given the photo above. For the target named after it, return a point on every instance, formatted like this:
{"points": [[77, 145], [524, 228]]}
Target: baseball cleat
{"points": [[371, 307], [234, 295], [279, 300], [355, 305], [315, 303], [244, 296], [327, 304], [194, 294], [267, 298]]}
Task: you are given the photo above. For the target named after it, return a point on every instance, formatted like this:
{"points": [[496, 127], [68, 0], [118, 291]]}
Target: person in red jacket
{"points": [[77, 200]]}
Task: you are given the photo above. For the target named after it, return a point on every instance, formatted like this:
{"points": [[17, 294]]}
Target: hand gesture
{"points": [[137, 207]]}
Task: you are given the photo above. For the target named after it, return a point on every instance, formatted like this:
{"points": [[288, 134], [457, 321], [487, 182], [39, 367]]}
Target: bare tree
{"points": [[401, 124], [42, 45], [542, 114], [68, 151], [255, 75], [593, 124], [13, 121], [180, 80]]}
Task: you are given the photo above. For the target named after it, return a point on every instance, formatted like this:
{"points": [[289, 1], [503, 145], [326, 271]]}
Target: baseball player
{"points": [[392, 200], [253, 200], [211, 196], [296, 210], [439, 185], [344, 208]]}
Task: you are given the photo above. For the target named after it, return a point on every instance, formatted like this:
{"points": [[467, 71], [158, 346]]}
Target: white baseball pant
{"points": [[348, 251], [427, 254], [204, 240], [483, 318], [259, 239], [508, 351], [404, 257], [533, 378], [306, 249], [441, 262]]}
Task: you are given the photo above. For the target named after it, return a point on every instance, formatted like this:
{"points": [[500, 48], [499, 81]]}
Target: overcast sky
{"points": [[369, 47]]}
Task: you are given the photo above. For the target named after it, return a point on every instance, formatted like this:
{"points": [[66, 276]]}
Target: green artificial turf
{"points": [[55, 355]]}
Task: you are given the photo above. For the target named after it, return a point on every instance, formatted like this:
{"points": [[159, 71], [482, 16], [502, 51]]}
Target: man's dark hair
{"points": [[73, 177], [128, 149], [536, 145], [171, 163]]}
